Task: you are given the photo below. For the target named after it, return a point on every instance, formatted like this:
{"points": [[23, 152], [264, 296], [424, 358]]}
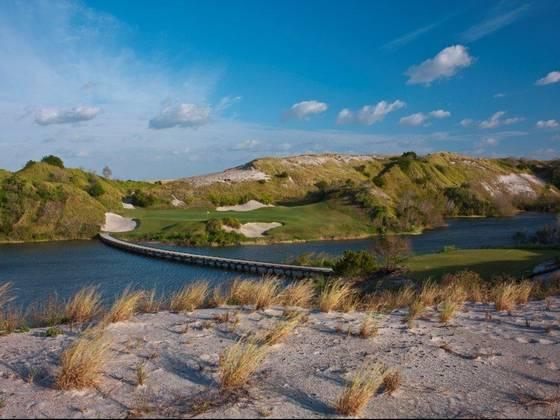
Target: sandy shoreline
{"points": [[474, 367]]}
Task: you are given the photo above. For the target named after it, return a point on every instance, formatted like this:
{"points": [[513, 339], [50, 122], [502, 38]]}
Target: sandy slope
{"points": [[117, 223], [488, 368], [248, 206], [253, 229]]}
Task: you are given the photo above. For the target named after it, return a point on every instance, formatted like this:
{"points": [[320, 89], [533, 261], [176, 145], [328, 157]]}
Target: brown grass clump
{"points": [[266, 291], [368, 328], [415, 309], [298, 294], [333, 295], [447, 310], [430, 293], [523, 290], [12, 319], [392, 381], [150, 303], [505, 296], [124, 307], [239, 362], [5, 294], [388, 300], [281, 330], [82, 361], [359, 391], [84, 305], [217, 298], [469, 282], [47, 313], [190, 297], [241, 292]]}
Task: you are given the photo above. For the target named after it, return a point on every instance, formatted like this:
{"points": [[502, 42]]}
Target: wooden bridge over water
{"points": [[248, 266]]}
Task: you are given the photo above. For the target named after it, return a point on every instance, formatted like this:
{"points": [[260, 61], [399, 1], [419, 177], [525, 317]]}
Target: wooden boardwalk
{"points": [[248, 266]]}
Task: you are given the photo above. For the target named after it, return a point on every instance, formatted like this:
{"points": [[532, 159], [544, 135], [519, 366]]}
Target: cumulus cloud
{"points": [[345, 117], [444, 65], [250, 144], [183, 115], [466, 122], [369, 114], [552, 77], [440, 113], [490, 141], [304, 109], [496, 120], [420, 118], [48, 116], [547, 124], [414, 120]]}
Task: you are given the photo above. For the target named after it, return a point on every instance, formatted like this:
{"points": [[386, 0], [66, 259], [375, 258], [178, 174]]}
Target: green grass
{"points": [[324, 220], [486, 262]]}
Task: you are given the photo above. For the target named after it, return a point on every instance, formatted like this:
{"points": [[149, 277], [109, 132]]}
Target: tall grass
{"points": [[359, 391], [84, 305], [190, 297], [47, 313], [266, 291], [81, 362], [239, 362], [447, 310], [5, 294], [333, 295], [505, 296], [300, 294], [281, 330], [125, 306], [150, 302]]}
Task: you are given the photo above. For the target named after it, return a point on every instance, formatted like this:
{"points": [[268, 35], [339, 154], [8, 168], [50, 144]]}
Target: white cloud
{"points": [[490, 141], [547, 124], [345, 117], [246, 145], [440, 113], [496, 120], [498, 21], [499, 95], [183, 115], [370, 114], [444, 65], [466, 122], [226, 102], [304, 109], [48, 116], [414, 120], [410, 36], [552, 77]]}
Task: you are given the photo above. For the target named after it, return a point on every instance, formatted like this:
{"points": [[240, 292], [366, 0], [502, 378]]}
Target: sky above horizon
{"points": [[168, 89]]}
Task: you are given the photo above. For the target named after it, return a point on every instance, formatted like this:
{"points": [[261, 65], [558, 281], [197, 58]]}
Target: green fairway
{"points": [[324, 220], [486, 262]]}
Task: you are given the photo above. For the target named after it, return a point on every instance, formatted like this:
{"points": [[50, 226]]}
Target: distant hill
{"points": [[400, 193]]}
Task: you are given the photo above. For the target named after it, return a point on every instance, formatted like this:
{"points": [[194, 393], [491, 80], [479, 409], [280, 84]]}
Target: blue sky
{"points": [[169, 89]]}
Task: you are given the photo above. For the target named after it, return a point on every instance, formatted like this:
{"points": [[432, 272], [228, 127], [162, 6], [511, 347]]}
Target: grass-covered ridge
{"points": [[316, 197]]}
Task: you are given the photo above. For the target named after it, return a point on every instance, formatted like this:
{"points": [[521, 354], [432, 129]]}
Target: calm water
{"points": [[63, 267]]}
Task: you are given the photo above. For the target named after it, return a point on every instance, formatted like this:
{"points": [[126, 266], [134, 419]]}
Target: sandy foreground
{"points": [[496, 365], [253, 229]]}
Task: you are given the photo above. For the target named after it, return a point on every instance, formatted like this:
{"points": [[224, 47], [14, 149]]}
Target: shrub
{"points": [[140, 198], [53, 160], [355, 263], [231, 222], [95, 189], [53, 331]]}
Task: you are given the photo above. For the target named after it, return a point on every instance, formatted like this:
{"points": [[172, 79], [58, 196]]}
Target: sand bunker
{"points": [[248, 206], [253, 230], [175, 202], [116, 223], [520, 184], [128, 206]]}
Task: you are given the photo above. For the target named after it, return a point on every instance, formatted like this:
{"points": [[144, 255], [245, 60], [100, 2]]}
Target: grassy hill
{"points": [[316, 197]]}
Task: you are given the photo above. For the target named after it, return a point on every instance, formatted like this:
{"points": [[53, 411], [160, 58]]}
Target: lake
{"points": [[39, 269]]}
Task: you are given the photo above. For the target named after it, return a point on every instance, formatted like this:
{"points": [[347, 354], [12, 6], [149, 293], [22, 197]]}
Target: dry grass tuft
{"points": [[47, 313], [392, 381], [217, 298], [190, 297], [359, 391], [523, 292], [239, 362], [469, 282], [415, 309], [505, 296], [334, 295], [5, 294], [266, 291], [368, 328], [281, 330], [12, 319], [84, 305], [430, 293], [241, 292], [150, 303], [81, 362], [300, 294], [447, 310], [141, 374], [124, 307]]}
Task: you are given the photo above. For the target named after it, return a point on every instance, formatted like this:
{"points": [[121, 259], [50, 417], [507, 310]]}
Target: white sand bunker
{"points": [[248, 206], [175, 202], [128, 206], [116, 223], [253, 230]]}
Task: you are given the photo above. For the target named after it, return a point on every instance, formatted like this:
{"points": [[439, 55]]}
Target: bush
{"points": [[356, 263], [53, 160], [95, 189], [141, 199], [231, 222]]}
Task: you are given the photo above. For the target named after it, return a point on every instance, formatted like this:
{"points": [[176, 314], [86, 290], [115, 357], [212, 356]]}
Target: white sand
{"points": [[520, 184], [253, 229], [486, 370], [175, 202], [117, 223], [128, 206], [248, 206]]}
